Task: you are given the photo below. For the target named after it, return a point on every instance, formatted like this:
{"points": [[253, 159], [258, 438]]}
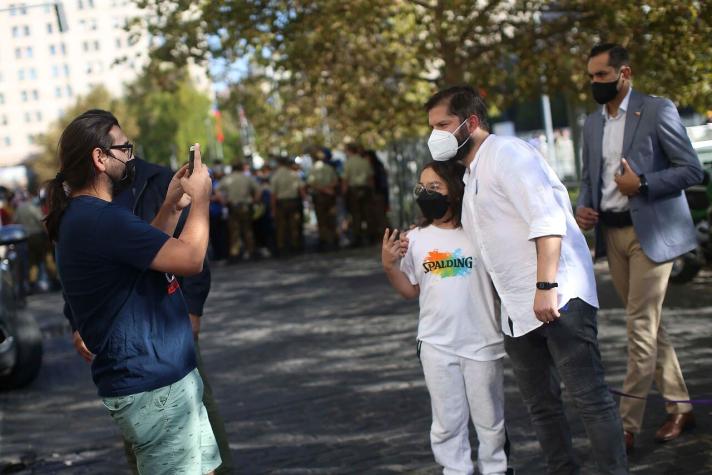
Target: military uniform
{"points": [[286, 184], [323, 180], [358, 176], [239, 191]]}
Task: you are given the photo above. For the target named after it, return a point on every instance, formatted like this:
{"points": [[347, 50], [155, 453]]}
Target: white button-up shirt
{"points": [[612, 150], [512, 196]]}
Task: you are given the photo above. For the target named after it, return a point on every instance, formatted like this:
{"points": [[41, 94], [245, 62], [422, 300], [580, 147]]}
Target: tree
{"points": [[327, 69], [170, 113]]}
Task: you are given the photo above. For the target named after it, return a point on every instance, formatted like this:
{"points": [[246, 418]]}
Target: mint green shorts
{"points": [[168, 428]]}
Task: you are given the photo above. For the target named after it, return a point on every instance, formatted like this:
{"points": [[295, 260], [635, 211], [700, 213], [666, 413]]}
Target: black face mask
{"points": [[433, 205], [604, 92], [126, 179]]}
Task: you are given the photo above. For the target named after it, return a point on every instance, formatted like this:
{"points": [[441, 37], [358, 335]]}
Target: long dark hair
{"points": [[76, 168], [451, 173]]}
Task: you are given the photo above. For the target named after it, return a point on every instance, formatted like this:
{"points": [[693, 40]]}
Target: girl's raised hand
{"points": [[390, 249]]}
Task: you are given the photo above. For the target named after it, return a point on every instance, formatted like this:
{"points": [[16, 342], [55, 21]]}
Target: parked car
{"points": [[699, 198], [20, 336]]}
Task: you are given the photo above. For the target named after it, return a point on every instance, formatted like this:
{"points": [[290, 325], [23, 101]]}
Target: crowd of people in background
{"points": [[254, 212], [262, 212]]}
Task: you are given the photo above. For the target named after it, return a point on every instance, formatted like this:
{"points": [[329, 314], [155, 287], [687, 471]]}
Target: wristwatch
{"points": [[546, 285], [643, 188]]}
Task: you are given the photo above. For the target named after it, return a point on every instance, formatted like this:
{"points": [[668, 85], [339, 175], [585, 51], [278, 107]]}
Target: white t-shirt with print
{"points": [[457, 301]]}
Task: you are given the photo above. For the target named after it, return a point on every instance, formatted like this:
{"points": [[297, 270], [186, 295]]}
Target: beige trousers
{"points": [[641, 284]]}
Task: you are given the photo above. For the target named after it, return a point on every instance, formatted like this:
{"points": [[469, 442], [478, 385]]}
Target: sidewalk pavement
{"points": [[313, 364]]}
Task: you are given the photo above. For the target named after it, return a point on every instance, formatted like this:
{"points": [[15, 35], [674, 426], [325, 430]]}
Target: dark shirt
{"points": [[132, 318]]}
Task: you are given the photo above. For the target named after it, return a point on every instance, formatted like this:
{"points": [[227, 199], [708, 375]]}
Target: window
{"points": [[85, 46], [23, 95], [18, 53], [13, 9], [52, 50], [118, 42], [38, 116], [27, 30], [28, 118], [66, 70], [96, 45], [15, 31], [4, 120], [50, 28], [20, 74], [63, 48], [8, 142], [57, 91], [23, 9], [55, 71], [33, 73], [2, 98], [35, 95], [28, 51], [31, 139], [69, 91], [80, 4], [91, 3]]}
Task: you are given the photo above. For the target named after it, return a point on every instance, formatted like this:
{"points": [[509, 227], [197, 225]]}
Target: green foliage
{"points": [[162, 113], [171, 115], [329, 70]]}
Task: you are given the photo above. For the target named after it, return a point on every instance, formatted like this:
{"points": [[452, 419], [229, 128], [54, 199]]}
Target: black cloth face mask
{"points": [[605, 92], [433, 205], [126, 179]]}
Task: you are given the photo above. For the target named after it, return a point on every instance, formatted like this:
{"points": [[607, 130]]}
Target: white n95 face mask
{"points": [[443, 145]]}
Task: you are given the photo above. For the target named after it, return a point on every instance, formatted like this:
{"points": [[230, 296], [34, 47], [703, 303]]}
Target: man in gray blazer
{"points": [[637, 160]]}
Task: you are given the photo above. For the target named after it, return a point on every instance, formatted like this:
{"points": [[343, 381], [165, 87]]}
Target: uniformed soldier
{"points": [[357, 187], [322, 182], [287, 195], [239, 191]]}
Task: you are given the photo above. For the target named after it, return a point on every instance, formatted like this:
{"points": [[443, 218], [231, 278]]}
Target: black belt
{"points": [[616, 219]]}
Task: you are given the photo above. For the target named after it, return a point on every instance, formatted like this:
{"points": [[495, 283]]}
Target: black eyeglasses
{"points": [[127, 147]]}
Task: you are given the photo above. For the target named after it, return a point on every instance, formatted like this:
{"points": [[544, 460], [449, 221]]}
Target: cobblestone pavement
{"points": [[313, 363]]}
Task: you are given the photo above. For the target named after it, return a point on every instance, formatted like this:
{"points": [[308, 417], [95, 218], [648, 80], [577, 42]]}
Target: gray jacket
{"points": [[654, 144]]}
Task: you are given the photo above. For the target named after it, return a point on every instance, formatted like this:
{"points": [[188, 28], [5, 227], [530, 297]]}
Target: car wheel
{"points": [[685, 268], [28, 341]]}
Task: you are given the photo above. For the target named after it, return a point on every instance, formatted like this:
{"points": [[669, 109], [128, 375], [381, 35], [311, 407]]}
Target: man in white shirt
{"points": [[637, 160], [517, 212]]}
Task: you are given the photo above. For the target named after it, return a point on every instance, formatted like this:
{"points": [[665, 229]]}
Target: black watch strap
{"points": [[546, 285], [643, 189]]}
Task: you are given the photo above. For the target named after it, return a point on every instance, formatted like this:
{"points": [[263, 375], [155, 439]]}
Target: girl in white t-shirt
{"points": [[459, 338]]}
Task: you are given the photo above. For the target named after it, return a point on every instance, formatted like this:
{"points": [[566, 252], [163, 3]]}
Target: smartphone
{"points": [[191, 160]]}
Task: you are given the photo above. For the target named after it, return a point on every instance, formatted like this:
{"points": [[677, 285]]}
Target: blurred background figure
{"points": [[239, 191], [263, 224], [39, 250], [287, 195], [357, 187], [379, 210], [323, 182], [218, 218]]}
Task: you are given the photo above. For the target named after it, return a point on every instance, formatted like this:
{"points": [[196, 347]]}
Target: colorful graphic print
{"points": [[447, 264]]}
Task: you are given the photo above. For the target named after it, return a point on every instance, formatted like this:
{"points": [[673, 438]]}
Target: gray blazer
{"points": [[654, 144]]}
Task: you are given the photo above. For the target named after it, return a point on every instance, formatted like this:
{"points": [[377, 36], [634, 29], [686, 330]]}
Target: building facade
{"points": [[44, 70]]}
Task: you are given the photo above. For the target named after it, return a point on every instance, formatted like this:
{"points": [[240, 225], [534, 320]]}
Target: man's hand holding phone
{"points": [[197, 184]]}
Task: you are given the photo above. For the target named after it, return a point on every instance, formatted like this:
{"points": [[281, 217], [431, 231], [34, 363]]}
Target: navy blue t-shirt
{"points": [[132, 318]]}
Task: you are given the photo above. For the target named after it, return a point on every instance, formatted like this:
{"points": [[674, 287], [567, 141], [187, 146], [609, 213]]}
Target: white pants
{"points": [[461, 388]]}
